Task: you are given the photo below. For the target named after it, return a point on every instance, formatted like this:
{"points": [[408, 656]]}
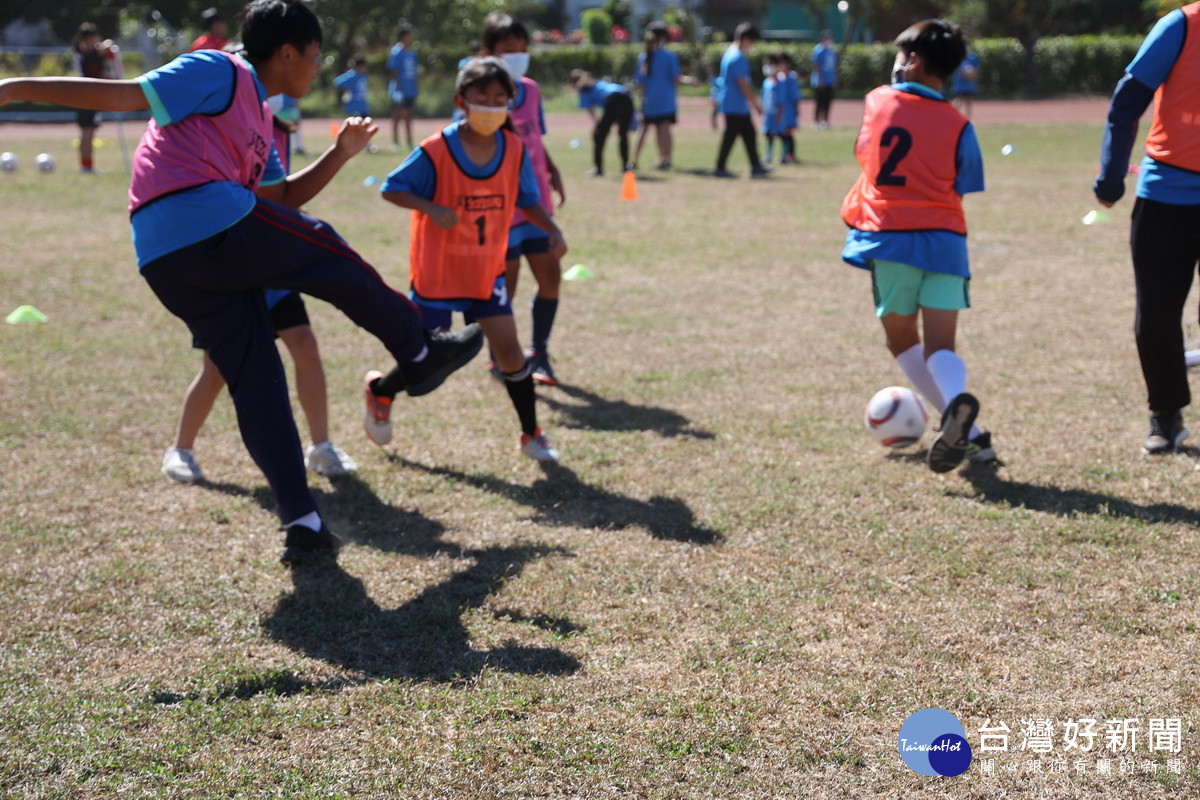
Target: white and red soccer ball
{"points": [[896, 417]]}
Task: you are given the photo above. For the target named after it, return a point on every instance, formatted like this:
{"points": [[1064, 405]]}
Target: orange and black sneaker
{"points": [[542, 371]]}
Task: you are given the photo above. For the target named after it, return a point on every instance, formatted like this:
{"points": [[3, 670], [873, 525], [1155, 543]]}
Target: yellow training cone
{"points": [[25, 314]]}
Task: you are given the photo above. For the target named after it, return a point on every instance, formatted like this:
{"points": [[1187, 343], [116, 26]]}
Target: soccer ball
{"points": [[896, 417], [44, 163], [8, 162]]}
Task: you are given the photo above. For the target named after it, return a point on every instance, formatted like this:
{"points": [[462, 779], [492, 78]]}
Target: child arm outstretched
{"points": [[95, 94], [303, 185]]}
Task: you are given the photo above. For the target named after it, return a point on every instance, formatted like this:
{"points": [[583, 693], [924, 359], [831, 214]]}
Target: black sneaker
{"points": [[760, 172], [447, 352], [302, 546], [981, 452], [1166, 434], [950, 447]]}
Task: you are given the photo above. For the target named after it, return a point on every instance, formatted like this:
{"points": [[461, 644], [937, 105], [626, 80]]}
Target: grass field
{"points": [[725, 590]]}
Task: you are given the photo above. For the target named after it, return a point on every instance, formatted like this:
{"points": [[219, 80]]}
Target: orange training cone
{"points": [[333, 129], [629, 186]]}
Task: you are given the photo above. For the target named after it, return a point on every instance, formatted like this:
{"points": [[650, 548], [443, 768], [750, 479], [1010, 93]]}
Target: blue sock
{"points": [[543, 320]]}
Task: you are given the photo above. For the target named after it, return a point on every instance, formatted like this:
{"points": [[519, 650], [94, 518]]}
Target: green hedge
{"points": [[1064, 65]]}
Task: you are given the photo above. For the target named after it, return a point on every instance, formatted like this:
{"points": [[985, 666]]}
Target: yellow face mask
{"points": [[486, 120]]}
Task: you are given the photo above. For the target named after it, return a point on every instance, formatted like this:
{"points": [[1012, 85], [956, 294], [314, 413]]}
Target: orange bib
{"points": [[463, 263], [1174, 137], [908, 151]]}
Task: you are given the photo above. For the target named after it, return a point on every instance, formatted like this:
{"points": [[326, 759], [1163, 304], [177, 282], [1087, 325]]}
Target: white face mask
{"points": [[767, 71], [516, 64]]}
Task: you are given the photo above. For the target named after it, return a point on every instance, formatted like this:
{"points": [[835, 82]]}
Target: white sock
{"points": [[949, 372], [912, 364], [311, 520]]}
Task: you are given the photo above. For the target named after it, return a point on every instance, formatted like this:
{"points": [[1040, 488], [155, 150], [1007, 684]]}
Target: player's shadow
{"points": [[356, 514], [561, 499], [917, 456], [592, 412], [329, 616], [990, 487]]}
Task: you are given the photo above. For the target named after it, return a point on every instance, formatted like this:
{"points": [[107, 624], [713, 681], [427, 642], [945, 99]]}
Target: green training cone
{"points": [[1092, 217], [25, 314], [579, 272]]}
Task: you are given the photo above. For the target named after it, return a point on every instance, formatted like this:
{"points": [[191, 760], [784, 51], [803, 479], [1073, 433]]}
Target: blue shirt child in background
{"points": [[966, 83], [734, 98], [403, 69], [352, 85], [657, 74], [616, 110]]}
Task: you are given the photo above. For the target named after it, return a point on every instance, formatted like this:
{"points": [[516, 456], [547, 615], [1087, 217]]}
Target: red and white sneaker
{"points": [[377, 421], [538, 447]]}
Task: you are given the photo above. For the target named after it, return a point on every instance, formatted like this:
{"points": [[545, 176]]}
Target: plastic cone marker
{"points": [[629, 186], [25, 314], [579, 272], [333, 129], [1092, 217]]}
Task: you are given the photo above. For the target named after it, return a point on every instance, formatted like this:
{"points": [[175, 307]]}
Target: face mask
{"points": [[516, 64], [486, 120], [767, 71], [899, 74]]}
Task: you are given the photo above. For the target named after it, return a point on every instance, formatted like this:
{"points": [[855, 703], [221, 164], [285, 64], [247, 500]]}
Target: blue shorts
{"points": [[436, 314], [526, 239]]}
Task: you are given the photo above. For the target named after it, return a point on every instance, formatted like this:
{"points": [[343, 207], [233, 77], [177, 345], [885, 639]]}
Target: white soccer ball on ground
{"points": [[8, 162], [896, 417], [44, 162]]}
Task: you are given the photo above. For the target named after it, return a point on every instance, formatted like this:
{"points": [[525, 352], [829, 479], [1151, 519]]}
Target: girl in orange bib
{"points": [[463, 185]]}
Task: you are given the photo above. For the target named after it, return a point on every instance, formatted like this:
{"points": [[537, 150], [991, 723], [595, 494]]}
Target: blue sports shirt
{"points": [[932, 251], [195, 83], [659, 86], [824, 61], [963, 84], [734, 65], [355, 83], [598, 93], [402, 64]]}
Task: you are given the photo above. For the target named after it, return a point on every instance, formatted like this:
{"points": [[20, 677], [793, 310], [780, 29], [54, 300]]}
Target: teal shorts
{"points": [[902, 289]]}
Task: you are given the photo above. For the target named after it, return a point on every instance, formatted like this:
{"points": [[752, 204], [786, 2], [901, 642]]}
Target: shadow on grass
{"points": [[562, 499], [991, 487], [597, 413], [361, 517], [329, 616]]}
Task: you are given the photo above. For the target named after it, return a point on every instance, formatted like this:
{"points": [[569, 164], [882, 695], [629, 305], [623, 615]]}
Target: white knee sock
{"points": [[949, 372], [912, 364]]}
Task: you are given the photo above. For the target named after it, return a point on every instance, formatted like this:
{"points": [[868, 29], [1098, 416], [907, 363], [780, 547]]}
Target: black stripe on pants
{"points": [[738, 125], [1165, 240], [618, 110]]}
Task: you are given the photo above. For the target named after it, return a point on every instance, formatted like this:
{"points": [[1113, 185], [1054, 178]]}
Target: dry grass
{"points": [[726, 590]]}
